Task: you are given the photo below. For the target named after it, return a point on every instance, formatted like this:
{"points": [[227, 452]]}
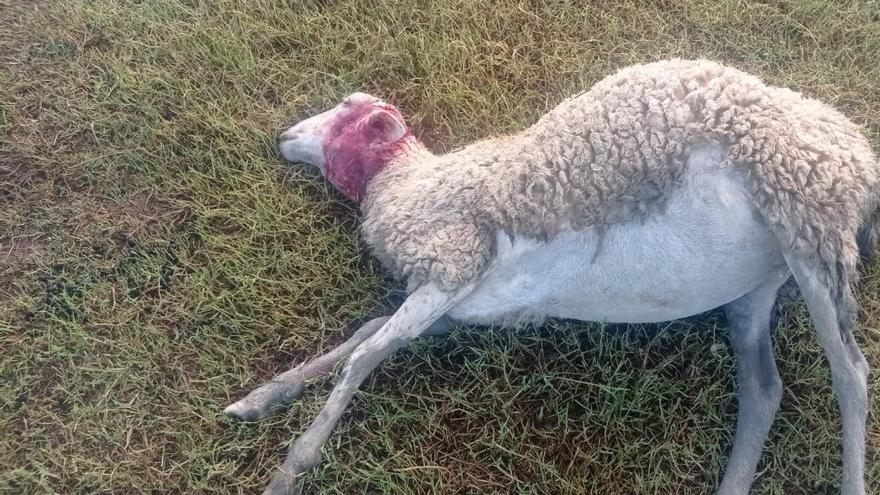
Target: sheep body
{"points": [[593, 275], [614, 154]]}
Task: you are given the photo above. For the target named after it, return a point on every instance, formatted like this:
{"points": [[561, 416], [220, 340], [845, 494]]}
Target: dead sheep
{"points": [[666, 190]]}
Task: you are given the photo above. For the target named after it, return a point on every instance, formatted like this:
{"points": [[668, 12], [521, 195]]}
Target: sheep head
{"points": [[349, 143]]}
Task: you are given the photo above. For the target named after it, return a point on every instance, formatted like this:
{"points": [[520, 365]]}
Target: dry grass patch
{"points": [[157, 260]]}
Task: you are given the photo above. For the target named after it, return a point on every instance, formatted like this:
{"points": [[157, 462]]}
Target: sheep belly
{"points": [[708, 248]]}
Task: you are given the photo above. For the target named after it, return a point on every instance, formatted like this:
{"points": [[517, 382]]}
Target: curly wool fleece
{"points": [[614, 154]]}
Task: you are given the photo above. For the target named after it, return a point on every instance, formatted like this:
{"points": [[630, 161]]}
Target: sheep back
{"points": [[614, 154]]}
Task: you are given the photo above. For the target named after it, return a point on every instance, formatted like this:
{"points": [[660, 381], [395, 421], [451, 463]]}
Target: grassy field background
{"points": [[157, 259]]}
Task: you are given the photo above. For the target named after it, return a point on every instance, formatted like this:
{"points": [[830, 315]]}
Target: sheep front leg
{"points": [[422, 308], [288, 386]]}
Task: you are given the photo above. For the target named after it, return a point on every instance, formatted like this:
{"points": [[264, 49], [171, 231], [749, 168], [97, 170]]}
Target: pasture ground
{"points": [[157, 260]]}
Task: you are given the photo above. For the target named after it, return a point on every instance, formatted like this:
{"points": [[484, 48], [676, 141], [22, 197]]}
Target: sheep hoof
{"points": [[283, 484], [245, 411], [260, 402]]}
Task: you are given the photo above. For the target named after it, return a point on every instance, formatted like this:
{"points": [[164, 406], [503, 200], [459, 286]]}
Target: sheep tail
{"points": [[867, 237]]}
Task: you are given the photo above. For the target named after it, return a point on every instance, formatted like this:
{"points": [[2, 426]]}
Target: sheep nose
{"points": [[289, 135]]}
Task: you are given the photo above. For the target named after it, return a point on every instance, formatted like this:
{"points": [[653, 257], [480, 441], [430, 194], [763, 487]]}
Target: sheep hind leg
{"points": [[760, 388], [834, 318], [286, 387]]}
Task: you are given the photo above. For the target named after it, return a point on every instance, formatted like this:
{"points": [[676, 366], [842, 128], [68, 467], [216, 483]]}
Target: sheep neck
{"points": [[352, 167]]}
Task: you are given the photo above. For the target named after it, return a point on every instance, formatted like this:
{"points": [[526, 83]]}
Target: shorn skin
{"points": [[666, 190]]}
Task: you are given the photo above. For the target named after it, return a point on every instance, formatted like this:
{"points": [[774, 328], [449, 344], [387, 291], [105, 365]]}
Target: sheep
{"points": [[666, 190]]}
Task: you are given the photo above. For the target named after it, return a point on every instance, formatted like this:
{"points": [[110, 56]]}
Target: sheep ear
{"points": [[386, 126]]}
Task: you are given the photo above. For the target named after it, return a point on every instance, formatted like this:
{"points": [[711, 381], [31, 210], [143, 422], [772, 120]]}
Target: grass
{"points": [[157, 260]]}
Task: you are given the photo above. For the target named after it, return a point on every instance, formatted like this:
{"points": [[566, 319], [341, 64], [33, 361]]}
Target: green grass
{"points": [[157, 260]]}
